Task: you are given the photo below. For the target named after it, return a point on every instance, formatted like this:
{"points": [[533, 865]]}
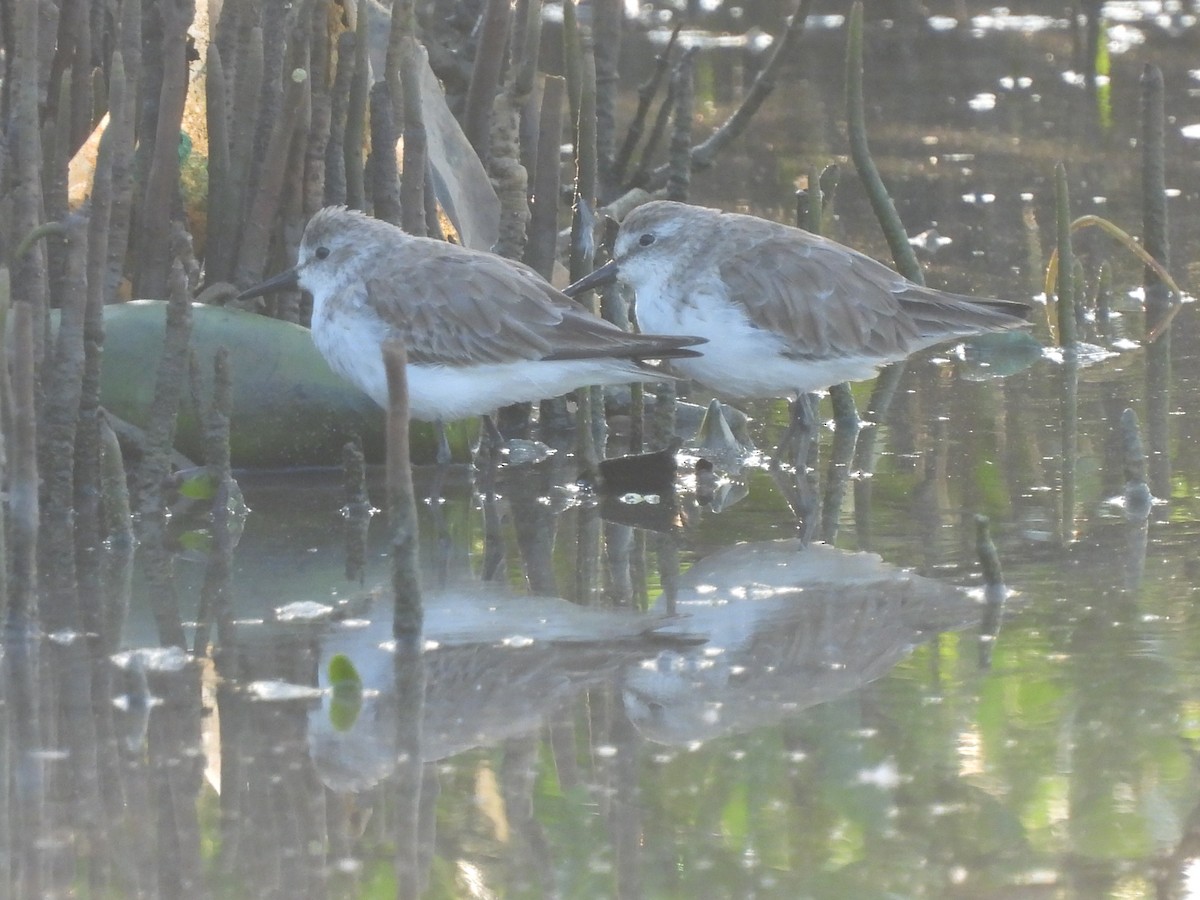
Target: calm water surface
{"points": [[852, 720]]}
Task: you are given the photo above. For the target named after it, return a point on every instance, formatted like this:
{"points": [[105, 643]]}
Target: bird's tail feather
{"points": [[937, 313]]}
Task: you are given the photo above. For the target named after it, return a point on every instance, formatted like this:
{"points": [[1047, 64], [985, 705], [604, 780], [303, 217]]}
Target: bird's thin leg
{"points": [[444, 456], [491, 442], [798, 447], [494, 437], [802, 428]]}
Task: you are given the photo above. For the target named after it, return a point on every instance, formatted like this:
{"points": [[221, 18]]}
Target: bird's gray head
{"points": [[654, 239], [335, 242], [335, 239], [651, 236]]}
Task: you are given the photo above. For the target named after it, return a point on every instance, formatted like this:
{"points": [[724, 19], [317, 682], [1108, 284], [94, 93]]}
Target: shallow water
{"points": [[812, 723]]}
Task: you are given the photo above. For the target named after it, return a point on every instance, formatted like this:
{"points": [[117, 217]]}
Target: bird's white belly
{"points": [[351, 346], [741, 359]]}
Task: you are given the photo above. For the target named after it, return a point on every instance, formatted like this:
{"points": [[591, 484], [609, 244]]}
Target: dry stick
{"points": [[124, 130], [662, 425], [403, 25], [58, 53], [222, 197], [641, 175], [87, 439], [99, 95], [572, 60], [485, 76], [23, 507], [218, 574], [356, 114], [845, 413], [540, 251], [679, 178], [508, 173], [229, 28], [433, 225], [531, 117], [1065, 284], [509, 177], [64, 386], [114, 490], [54, 192], [527, 71], [385, 179], [80, 112], [646, 93], [589, 417], [1133, 462], [6, 428], [6, 38], [1157, 297], [1104, 301], [881, 202], [994, 590], [23, 133], [606, 33], [541, 244], [357, 510], [764, 83], [246, 87], [402, 506], [279, 52], [339, 108], [403, 71], [902, 253], [413, 794], [162, 180], [256, 235], [160, 434], [1069, 397], [320, 112], [291, 212], [1139, 501], [413, 195]]}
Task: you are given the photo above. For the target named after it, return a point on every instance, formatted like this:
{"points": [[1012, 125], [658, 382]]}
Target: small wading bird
{"points": [[481, 331], [785, 312]]}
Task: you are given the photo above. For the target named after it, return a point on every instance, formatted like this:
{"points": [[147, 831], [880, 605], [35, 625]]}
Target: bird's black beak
{"points": [[285, 279], [600, 276]]}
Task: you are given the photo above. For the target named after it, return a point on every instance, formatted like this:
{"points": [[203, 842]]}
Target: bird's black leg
{"points": [[797, 448], [802, 428], [494, 437], [444, 456]]}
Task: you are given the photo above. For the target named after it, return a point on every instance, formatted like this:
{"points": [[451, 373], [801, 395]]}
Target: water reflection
{"points": [[790, 733], [253, 750]]}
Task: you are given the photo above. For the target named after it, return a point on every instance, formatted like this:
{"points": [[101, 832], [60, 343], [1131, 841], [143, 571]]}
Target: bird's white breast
{"points": [[740, 359]]}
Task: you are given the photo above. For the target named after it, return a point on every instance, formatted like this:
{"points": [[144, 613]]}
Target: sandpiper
{"points": [[481, 331], [785, 312]]}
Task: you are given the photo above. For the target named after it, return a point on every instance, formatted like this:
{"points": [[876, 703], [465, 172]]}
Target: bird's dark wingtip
{"points": [[678, 347], [1018, 309], [678, 353]]}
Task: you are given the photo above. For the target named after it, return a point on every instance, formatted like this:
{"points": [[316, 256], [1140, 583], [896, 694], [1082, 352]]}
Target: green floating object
{"points": [[346, 693], [198, 484], [289, 408], [342, 671]]}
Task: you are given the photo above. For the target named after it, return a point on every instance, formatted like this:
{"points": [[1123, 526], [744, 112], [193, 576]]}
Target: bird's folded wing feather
{"points": [[460, 307], [449, 309], [825, 301]]}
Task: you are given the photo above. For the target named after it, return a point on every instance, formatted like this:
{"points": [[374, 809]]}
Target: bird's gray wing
{"points": [[452, 307], [824, 299]]}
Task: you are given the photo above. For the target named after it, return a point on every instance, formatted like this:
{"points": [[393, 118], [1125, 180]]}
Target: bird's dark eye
{"points": [[646, 240], [321, 252]]}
